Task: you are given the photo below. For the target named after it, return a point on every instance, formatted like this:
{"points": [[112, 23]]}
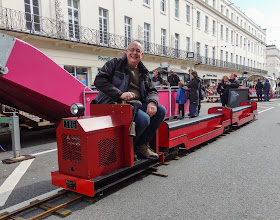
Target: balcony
{"points": [[18, 21]]}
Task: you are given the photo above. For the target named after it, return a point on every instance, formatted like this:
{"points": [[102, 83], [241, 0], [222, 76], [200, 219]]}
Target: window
{"points": [[127, 30], [240, 60], [244, 43], [198, 48], [227, 13], [206, 51], [231, 17], [231, 57], [221, 55], [188, 10], [226, 34], [80, 73], [163, 41], [147, 37], [206, 24], [222, 9], [147, 2], [188, 43], [241, 23], [198, 19], [103, 26], [237, 20], [222, 35], [231, 37], [214, 28], [73, 18], [240, 41], [226, 56], [236, 59], [214, 3], [213, 53], [236, 39], [32, 15], [176, 8], [176, 45], [162, 5]]}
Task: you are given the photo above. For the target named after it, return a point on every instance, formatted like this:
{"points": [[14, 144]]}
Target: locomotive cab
{"points": [[95, 151]]}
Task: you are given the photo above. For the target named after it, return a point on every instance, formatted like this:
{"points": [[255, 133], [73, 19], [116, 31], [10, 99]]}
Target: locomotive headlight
{"points": [[77, 109]]}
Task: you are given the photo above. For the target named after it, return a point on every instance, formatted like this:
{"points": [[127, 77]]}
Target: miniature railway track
{"points": [[49, 208]]}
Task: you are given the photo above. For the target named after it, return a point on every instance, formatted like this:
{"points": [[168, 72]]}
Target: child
{"points": [[181, 99]]}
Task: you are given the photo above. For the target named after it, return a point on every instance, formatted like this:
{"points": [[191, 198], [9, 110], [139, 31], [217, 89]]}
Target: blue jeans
{"points": [[193, 109], [266, 96], [146, 127]]}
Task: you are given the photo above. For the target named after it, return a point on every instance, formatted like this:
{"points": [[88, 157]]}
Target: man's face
{"points": [[134, 53], [155, 74], [171, 73], [232, 76]]}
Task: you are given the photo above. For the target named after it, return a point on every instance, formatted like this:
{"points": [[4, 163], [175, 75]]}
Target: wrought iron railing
{"points": [[14, 20]]}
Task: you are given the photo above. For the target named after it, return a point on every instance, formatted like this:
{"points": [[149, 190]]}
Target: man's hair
{"points": [[194, 73], [138, 41]]}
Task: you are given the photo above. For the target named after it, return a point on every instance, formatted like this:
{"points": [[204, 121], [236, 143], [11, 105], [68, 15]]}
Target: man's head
{"points": [[171, 72], [134, 53], [194, 74], [155, 73], [233, 75]]}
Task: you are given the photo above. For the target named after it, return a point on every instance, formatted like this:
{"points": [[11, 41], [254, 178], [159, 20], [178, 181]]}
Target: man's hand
{"points": [[151, 109], [228, 83], [127, 96]]}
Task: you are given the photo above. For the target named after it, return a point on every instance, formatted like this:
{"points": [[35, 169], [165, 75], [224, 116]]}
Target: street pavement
{"points": [[235, 176]]}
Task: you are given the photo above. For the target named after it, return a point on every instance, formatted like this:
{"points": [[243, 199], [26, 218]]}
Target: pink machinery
{"points": [[32, 82]]}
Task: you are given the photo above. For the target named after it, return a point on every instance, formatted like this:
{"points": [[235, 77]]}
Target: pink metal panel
{"points": [[38, 85], [163, 96]]}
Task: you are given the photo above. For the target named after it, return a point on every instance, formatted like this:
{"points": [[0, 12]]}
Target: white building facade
{"points": [[273, 61], [81, 35]]}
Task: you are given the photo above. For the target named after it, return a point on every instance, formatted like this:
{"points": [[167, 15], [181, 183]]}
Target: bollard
{"points": [[14, 126]]}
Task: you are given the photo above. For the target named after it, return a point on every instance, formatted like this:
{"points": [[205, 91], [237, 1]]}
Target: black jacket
{"points": [[173, 80], [234, 83], [259, 88], [114, 79], [194, 87]]}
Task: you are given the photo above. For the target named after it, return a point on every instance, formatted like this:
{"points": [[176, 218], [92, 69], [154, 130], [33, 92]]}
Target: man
{"points": [[230, 84], [259, 88], [233, 83], [157, 80], [127, 78], [266, 89], [173, 79]]}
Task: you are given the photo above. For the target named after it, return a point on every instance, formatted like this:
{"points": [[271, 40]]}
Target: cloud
{"points": [[269, 21]]}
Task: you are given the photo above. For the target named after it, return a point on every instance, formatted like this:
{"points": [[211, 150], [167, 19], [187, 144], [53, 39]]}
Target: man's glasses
{"points": [[132, 50]]}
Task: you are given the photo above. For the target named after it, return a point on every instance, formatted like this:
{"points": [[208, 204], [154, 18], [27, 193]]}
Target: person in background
{"points": [[223, 90], [128, 79], [193, 87], [233, 83], [266, 89], [181, 99], [259, 90], [201, 95], [173, 79], [156, 80], [164, 85]]}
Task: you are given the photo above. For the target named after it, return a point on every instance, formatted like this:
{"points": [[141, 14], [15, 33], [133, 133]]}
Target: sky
{"points": [[266, 14]]}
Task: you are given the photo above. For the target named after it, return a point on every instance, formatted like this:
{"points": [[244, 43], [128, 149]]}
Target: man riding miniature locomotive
{"points": [[127, 79]]}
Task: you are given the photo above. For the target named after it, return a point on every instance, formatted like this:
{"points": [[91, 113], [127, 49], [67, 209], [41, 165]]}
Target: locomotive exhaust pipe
{"points": [[136, 106]]}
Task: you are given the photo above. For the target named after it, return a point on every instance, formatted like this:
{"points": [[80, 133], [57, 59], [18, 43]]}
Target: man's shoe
{"points": [[146, 151]]}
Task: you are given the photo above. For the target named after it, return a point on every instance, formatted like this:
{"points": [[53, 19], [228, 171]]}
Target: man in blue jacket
{"points": [[127, 78], [266, 89]]}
